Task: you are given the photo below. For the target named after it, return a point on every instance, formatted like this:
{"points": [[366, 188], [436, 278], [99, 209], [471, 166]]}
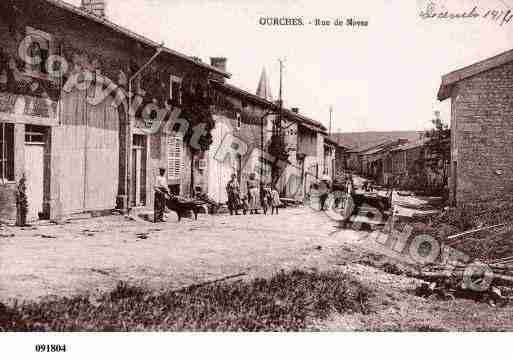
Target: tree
{"points": [[278, 150], [438, 148], [197, 102]]}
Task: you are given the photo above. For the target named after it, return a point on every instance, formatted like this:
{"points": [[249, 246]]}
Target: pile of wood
{"points": [[492, 283], [491, 244]]}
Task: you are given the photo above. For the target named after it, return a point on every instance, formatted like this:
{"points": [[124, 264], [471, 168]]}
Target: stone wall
{"points": [[85, 45], [482, 125]]}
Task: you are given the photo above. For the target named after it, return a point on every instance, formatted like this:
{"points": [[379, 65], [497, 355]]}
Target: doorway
{"points": [[138, 198], [35, 143]]}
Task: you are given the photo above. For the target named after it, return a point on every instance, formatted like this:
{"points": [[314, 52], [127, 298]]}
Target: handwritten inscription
{"points": [[436, 11]]}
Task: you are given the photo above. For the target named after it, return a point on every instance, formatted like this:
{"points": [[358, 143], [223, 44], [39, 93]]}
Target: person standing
{"points": [[324, 188], [275, 200], [161, 195], [233, 192], [349, 204], [253, 194]]}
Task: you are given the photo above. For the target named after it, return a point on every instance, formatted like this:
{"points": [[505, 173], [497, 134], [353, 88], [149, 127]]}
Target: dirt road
{"points": [[95, 254]]}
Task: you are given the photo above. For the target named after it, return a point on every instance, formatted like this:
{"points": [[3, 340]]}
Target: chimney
{"points": [[220, 64], [96, 7], [295, 110]]}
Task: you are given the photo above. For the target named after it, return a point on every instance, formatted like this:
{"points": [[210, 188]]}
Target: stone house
{"points": [[481, 130], [243, 128], [354, 160], [402, 158], [306, 154], [244, 125], [341, 161], [356, 143], [329, 162], [65, 122], [374, 160]]}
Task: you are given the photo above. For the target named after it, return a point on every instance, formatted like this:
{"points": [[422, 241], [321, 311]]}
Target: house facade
{"points": [[68, 122], [243, 128], [329, 162], [242, 137], [306, 163], [481, 130], [401, 160], [341, 161]]}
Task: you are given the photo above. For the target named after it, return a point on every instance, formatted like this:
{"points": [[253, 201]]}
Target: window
{"points": [[238, 118], [34, 134], [139, 141], [175, 90], [174, 158], [40, 46], [263, 169], [6, 152]]}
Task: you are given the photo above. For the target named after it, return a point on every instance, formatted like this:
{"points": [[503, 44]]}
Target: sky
{"points": [[381, 77]]}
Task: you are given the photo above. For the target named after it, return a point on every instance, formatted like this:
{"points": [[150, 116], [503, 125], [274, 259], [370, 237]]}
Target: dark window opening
{"points": [[6, 152], [176, 92], [35, 134]]}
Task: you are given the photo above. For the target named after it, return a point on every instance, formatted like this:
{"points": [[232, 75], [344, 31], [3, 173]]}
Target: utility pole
{"points": [[280, 99], [278, 133], [331, 115]]}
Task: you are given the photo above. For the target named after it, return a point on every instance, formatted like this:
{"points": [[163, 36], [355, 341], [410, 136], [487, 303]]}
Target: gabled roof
{"points": [[362, 141], [334, 141], [378, 148], [243, 93], [410, 146], [290, 115], [450, 79], [374, 151], [134, 36], [331, 141], [305, 121]]}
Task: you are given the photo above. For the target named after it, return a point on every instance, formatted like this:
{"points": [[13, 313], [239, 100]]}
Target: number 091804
{"points": [[50, 348]]}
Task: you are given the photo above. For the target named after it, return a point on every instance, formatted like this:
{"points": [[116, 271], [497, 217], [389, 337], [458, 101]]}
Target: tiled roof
{"points": [[124, 31], [451, 78], [361, 141], [302, 120]]}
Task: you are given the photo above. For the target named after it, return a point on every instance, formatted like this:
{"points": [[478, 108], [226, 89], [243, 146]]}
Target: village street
{"points": [[91, 256], [94, 254]]}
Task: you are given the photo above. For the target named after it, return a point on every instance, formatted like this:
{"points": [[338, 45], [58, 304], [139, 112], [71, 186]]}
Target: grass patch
{"points": [[289, 301]]}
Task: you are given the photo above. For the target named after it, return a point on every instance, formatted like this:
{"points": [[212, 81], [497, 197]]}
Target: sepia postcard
{"points": [[253, 166]]}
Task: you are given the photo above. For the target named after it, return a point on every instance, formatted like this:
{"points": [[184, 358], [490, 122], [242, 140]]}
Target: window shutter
{"points": [[174, 158]]}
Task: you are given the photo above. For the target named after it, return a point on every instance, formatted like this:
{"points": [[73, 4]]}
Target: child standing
{"points": [[275, 200]]}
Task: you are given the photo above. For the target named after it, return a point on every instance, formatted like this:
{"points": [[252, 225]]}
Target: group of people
{"points": [[259, 196]]}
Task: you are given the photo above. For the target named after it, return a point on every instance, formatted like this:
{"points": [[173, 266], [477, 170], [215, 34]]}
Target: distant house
{"points": [[330, 153], [354, 160], [367, 139], [374, 160], [481, 129], [306, 153], [341, 165], [357, 143], [401, 160]]}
